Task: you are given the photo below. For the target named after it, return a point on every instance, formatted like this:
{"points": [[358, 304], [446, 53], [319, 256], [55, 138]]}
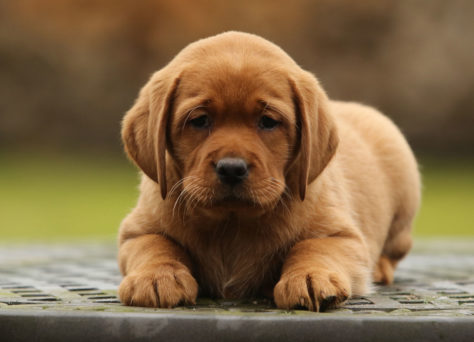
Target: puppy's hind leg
{"points": [[397, 245]]}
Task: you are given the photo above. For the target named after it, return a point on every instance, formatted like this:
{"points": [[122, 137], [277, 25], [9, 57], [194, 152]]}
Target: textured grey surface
{"points": [[51, 326], [54, 291]]}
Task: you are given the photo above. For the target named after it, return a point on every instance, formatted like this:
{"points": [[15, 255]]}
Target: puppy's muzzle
{"points": [[232, 171]]}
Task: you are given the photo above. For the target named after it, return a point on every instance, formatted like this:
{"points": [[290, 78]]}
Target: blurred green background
{"points": [[70, 69]]}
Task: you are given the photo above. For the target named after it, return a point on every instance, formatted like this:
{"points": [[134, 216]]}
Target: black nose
{"points": [[232, 170]]}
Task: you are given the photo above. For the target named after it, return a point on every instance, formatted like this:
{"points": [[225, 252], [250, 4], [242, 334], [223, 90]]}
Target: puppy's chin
{"points": [[224, 201], [243, 205], [232, 208]]}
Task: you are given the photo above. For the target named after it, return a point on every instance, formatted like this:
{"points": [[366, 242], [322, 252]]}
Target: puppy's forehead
{"points": [[233, 84], [233, 69]]}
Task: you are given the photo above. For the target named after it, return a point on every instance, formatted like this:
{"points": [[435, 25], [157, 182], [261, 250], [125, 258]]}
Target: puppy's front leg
{"points": [[157, 273], [322, 273]]}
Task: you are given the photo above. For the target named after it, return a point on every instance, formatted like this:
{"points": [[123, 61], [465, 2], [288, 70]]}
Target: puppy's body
{"points": [[359, 199]]}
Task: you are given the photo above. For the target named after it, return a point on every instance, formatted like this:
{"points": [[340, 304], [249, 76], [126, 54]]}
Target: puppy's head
{"points": [[236, 123]]}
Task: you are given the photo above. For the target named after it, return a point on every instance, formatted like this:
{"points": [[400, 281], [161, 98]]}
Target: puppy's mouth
{"points": [[218, 197], [233, 200], [242, 197]]}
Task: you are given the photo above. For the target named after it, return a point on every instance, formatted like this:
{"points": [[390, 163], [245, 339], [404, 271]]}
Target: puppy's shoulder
{"points": [[355, 111], [362, 118]]}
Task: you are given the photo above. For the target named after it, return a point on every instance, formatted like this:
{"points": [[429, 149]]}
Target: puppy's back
{"points": [[365, 131], [385, 141]]}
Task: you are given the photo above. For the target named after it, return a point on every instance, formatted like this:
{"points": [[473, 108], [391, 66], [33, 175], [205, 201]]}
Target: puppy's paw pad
{"points": [[163, 286], [315, 291]]}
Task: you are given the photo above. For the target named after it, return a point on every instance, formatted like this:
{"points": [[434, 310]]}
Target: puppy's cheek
{"points": [[202, 173]]}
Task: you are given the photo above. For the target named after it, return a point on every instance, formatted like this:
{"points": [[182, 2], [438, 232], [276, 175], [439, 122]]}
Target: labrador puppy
{"points": [[255, 183]]}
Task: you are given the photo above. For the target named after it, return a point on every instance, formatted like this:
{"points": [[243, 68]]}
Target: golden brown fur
{"points": [[327, 206]]}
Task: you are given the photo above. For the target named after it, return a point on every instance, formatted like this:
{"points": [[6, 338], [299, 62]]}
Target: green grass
{"points": [[44, 197], [51, 197], [448, 198]]}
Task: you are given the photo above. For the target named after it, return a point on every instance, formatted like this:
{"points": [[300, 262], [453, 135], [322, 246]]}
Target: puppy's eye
{"points": [[200, 122], [267, 123]]}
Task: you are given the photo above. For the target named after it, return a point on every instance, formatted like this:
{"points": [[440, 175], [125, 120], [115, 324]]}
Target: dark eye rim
{"points": [[200, 122], [267, 123]]}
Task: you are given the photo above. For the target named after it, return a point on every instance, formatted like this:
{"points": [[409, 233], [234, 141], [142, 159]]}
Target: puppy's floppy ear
{"points": [[317, 131], [145, 124]]}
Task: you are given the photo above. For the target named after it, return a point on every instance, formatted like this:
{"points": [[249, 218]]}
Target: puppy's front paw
{"points": [[314, 289], [161, 286]]}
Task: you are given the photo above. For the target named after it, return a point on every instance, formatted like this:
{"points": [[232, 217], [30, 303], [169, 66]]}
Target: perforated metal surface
{"points": [[437, 279]]}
